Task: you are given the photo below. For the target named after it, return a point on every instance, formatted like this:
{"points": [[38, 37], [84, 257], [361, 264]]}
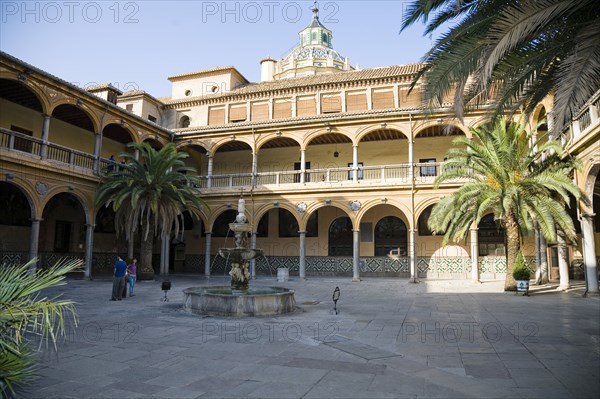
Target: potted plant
{"points": [[521, 274]]}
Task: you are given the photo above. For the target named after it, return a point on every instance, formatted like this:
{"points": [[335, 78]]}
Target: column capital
{"points": [[587, 215], [208, 233], [34, 220], [302, 232]]}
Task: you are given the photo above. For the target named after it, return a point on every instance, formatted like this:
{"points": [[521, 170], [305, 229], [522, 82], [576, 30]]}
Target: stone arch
{"points": [[270, 141], [35, 99], [383, 126], [220, 144], [341, 205], [33, 214], [85, 202], [71, 111], [216, 212], [436, 129], [332, 131], [592, 178], [370, 204]]}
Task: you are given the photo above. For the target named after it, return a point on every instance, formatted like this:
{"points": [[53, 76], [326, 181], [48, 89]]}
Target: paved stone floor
{"points": [[391, 339]]}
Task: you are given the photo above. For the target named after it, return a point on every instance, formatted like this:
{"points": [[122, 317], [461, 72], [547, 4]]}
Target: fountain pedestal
{"points": [[239, 299]]}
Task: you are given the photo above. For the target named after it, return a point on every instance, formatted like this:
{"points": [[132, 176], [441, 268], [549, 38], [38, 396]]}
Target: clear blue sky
{"points": [[138, 44]]}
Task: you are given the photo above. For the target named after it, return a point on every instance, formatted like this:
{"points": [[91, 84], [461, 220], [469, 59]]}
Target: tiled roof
{"points": [[101, 87], [133, 93], [314, 80], [210, 70]]}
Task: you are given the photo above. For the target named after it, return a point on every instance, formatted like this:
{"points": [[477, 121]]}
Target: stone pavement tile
{"points": [[288, 374], [444, 361], [138, 373], [177, 393], [523, 364], [531, 373], [346, 379], [213, 384], [322, 391], [143, 388], [280, 390], [177, 379], [533, 382], [544, 393], [494, 370], [122, 355], [399, 383]]}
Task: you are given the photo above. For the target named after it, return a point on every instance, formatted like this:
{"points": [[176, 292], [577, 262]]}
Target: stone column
{"points": [[45, 134], [543, 260], [253, 261], [355, 163], [474, 254], [97, 149], [209, 172], [355, 255], [563, 262], [34, 237], [302, 166], [589, 253], [254, 167], [412, 254], [538, 257], [89, 246], [302, 270], [207, 254]]}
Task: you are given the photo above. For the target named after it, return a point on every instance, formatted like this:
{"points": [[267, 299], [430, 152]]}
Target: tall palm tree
{"points": [[25, 314], [149, 195], [512, 52], [504, 175]]}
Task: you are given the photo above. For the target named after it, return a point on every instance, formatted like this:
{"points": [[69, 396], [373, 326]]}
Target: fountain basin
{"points": [[224, 301]]}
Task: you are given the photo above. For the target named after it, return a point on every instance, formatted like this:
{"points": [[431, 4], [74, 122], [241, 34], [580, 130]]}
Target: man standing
{"points": [[119, 279]]}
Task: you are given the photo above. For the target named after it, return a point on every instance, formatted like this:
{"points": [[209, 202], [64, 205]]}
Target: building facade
{"points": [[336, 165]]}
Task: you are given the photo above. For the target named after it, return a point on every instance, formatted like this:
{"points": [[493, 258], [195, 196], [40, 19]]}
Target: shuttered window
{"points": [[410, 101], [356, 102], [260, 112], [237, 113], [383, 99], [282, 109], [306, 106], [331, 103], [216, 116]]}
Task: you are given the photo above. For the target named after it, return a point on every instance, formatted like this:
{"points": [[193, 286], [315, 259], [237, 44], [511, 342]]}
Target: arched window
{"points": [[391, 233], [340, 237], [184, 121]]}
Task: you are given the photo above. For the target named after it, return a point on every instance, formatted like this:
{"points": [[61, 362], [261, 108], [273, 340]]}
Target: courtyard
{"points": [[390, 339]]}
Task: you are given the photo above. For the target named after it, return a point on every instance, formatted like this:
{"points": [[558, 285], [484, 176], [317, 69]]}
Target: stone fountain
{"points": [[239, 299]]}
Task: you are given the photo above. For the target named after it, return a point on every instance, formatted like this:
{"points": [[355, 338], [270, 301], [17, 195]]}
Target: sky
{"points": [[139, 44]]}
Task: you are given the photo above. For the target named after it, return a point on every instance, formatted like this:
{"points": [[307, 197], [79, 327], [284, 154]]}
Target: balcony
{"points": [[398, 175]]}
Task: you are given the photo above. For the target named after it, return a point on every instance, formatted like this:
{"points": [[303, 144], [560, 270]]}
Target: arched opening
{"points": [[197, 158], [491, 237], [279, 154], [184, 122], [429, 144], [114, 140], [390, 145], [15, 223], [72, 127], [328, 151], [391, 234], [423, 220], [340, 237], [221, 225], [157, 145], [62, 231], [222, 165]]}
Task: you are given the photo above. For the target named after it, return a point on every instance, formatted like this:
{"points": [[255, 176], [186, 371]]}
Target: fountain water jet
{"points": [[239, 299]]}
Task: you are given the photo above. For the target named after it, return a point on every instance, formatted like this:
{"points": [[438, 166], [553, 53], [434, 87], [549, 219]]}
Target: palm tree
{"points": [[150, 195], [513, 53], [503, 174], [24, 315]]}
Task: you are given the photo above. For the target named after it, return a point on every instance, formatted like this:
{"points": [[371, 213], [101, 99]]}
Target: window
{"points": [[356, 102], [184, 122], [216, 116], [427, 170], [331, 103], [282, 109], [259, 111], [129, 107], [152, 118], [262, 230], [340, 237], [237, 113], [383, 99], [391, 234], [306, 106], [491, 237]]}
